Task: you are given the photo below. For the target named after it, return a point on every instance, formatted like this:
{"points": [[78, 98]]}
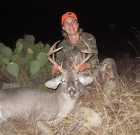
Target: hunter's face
{"points": [[70, 25]]}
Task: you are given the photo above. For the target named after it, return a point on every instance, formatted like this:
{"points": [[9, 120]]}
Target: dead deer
{"points": [[44, 107]]}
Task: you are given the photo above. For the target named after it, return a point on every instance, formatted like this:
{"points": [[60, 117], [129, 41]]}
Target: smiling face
{"points": [[71, 26]]}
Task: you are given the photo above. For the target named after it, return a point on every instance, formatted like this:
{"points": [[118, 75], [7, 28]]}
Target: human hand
{"points": [[83, 67], [54, 69]]}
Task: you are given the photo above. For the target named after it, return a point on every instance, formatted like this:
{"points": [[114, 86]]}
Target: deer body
{"points": [[41, 105]]}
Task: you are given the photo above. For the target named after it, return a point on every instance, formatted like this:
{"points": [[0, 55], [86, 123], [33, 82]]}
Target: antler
{"points": [[89, 53], [87, 45], [52, 51]]}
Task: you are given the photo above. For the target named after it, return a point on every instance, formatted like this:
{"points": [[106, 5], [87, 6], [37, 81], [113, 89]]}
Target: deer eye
{"points": [[63, 80], [76, 80]]}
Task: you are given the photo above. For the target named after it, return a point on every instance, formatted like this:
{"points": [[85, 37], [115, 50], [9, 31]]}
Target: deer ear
{"points": [[85, 80], [53, 83]]}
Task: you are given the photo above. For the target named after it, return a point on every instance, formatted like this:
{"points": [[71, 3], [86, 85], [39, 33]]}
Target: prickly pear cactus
{"points": [[27, 62], [42, 58], [34, 67], [29, 39], [2, 46], [19, 47], [29, 54], [5, 60], [1, 59], [47, 48], [15, 57], [13, 69], [40, 46], [7, 52]]}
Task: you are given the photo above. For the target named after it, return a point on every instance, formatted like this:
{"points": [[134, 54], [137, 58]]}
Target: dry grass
{"points": [[118, 119], [121, 118]]}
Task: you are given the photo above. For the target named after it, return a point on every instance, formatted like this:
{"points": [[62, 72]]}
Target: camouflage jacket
{"points": [[72, 52]]}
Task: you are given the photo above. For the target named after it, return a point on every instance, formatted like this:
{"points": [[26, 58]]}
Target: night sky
{"points": [[108, 20]]}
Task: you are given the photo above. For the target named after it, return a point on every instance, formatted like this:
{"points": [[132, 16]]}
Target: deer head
{"points": [[69, 81]]}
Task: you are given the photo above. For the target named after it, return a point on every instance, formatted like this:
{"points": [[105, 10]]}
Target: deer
{"points": [[45, 107]]}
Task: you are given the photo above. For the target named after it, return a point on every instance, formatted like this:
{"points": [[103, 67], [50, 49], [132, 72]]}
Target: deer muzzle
{"points": [[72, 93]]}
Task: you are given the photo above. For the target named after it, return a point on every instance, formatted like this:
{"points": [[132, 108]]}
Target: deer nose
{"points": [[72, 93]]}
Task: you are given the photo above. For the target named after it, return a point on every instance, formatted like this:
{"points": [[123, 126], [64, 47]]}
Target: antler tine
{"points": [[86, 59], [83, 61], [87, 45], [89, 53], [52, 51]]}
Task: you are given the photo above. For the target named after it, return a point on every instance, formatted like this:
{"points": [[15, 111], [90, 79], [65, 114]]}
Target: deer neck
{"points": [[66, 104]]}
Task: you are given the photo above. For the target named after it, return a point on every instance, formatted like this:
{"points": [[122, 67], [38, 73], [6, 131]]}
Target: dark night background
{"points": [[109, 21]]}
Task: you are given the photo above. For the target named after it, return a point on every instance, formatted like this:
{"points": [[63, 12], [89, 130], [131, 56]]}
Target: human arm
{"points": [[72, 54]]}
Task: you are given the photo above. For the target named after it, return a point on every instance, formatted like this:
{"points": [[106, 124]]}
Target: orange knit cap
{"points": [[68, 14]]}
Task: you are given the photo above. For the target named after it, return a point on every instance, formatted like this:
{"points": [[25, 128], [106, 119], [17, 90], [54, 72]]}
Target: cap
{"points": [[68, 14]]}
